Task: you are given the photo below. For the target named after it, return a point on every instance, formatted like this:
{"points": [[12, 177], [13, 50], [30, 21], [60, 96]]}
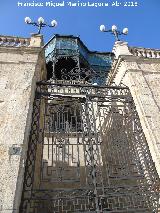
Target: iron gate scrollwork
{"points": [[87, 152]]}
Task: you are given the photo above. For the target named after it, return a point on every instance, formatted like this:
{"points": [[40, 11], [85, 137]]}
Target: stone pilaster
{"points": [[120, 48], [21, 65], [142, 75]]}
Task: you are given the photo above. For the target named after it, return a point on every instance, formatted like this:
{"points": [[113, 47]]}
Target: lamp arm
{"points": [[44, 25], [34, 24], [106, 31], [48, 25], [120, 33]]}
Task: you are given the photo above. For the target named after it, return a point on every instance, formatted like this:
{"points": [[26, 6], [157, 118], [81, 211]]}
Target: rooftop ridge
{"points": [[80, 41]]}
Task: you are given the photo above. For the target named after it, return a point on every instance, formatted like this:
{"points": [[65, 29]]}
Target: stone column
{"points": [[142, 76], [21, 65]]}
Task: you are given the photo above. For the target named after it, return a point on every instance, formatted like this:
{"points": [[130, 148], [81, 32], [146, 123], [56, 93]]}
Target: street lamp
{"points": [[40, 23], [114, 31]]}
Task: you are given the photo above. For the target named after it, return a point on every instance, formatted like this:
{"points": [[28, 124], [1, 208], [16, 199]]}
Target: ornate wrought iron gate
{"points": [[87, 152]]}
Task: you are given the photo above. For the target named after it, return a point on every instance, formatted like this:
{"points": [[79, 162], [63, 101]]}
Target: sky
{"points": [[143, 21]]}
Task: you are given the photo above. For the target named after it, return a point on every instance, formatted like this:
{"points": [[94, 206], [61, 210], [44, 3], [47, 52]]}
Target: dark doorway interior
{"points": [[49, 66]]}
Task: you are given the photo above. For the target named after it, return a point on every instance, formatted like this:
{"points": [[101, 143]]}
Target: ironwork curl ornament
{"points": [[57, 57], [83, 74]]}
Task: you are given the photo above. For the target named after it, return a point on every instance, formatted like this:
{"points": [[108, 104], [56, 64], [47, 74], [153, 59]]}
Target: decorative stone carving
{"points": [[145, 53], [14, 41]]}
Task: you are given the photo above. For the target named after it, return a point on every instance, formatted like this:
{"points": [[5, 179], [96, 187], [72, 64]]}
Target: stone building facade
{"points": [[79, 129]]}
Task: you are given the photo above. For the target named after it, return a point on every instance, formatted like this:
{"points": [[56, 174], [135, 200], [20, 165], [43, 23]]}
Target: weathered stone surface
{"points": [[20, 68]]}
